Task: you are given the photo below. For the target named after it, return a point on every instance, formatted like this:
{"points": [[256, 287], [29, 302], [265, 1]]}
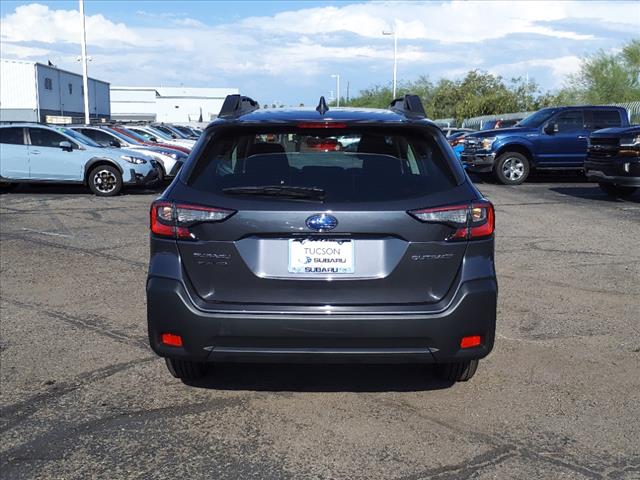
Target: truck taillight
{"points": [[174, 220], [471, 221]]}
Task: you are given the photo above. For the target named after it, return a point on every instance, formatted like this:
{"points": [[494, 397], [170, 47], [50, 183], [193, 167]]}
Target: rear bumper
{"points": [[418, 336], [478, 162]]}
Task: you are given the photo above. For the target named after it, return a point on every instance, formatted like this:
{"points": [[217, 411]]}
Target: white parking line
{"points": [[53, 234]]}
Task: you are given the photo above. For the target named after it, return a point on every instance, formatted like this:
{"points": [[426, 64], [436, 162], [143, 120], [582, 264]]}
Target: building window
{"points": [[48, 83], [70, 88]]}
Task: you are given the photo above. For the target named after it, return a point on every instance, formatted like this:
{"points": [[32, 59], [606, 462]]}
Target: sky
{"points": [[287, 51]]}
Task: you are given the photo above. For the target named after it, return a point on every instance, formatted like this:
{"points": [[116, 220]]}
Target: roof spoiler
{"points": [[237, 105], [409, 106]]}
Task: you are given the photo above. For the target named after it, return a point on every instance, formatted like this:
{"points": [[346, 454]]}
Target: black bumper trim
{"points": [[176, 168], [322, 355], [152, 177], [478, 162]]}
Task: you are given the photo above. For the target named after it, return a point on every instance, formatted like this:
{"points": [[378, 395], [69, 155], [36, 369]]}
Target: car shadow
{"points": [[321, 378], [62, 189], [536, 177], [593, 192]]}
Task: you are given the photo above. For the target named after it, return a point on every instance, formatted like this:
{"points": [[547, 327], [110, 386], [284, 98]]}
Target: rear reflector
{"points": [[471, 221], [472, 341], [170, 220], [171, 339]]}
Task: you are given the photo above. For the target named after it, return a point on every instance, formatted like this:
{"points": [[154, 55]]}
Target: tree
{"points": [[609, 77], [603, 78]]}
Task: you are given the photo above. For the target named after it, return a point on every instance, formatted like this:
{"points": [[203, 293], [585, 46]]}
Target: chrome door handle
{"points": [[582, 137], [35, 152]]}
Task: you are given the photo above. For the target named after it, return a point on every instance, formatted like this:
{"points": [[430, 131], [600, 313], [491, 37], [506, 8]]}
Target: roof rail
{"points": [[236, 105], [409, 106]]}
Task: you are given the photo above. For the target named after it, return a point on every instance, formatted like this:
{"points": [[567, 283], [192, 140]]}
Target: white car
{"points": [[34, 153], [170, 160], [154, 135]]}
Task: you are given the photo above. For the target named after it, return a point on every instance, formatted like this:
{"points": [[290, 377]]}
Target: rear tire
{"points": [[105, 181], [185, 369], [7, 187], [511, 168], [617, 190], [457, 371]]}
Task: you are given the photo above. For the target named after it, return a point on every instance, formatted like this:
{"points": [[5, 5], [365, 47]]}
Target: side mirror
{"points": [[551, 128], [65, 145], [153, 139], [115, 143]]}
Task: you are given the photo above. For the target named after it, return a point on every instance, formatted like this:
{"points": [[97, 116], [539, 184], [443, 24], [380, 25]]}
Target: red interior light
{"points": [[322, 125], [171, 339], [471, 341]]}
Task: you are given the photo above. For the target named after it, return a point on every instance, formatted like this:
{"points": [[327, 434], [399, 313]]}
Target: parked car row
{"points": [[104, 157], [559, 139]]}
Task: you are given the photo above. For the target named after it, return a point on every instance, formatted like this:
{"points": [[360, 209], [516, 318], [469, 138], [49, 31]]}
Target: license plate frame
{"points": [[324, 257]]}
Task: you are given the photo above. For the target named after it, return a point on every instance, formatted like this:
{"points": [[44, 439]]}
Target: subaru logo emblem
{"points": [[322, 222]]}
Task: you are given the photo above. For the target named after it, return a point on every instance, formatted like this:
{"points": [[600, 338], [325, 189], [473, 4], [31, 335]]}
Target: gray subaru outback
{"points": [[322, 235]]}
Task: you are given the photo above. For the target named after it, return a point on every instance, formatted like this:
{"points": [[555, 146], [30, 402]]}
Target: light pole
{"points": [[337, 77], [395, 57], [85, 80]]}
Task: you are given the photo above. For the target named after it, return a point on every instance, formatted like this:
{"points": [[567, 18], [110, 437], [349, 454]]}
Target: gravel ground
{"points": [[83, 396]]}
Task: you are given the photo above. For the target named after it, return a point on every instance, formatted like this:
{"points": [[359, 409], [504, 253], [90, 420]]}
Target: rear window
{"points": [[12, 136], [348, 165], [597, 119]]}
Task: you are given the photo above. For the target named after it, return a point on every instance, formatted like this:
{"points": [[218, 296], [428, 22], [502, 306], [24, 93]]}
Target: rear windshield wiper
{"points": [[312, 193]]}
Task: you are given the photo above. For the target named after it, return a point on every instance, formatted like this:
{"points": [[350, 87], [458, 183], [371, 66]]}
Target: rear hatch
{"points": [[300, 218]]}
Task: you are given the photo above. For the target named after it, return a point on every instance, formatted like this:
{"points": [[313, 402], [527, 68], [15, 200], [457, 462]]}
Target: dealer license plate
{"points": [[321, 256]]}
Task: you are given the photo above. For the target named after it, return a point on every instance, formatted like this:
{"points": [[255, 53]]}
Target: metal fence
{"points": [[477, 122], [633, 108]]}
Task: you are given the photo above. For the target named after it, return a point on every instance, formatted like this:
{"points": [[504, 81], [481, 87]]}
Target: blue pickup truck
{"points": [[551, 138]]}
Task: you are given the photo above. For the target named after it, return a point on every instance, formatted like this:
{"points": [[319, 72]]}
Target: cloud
{"points": [[451, 22], [303, 47], [189, 22], [559, 67], [36, 22], [21, 51]]}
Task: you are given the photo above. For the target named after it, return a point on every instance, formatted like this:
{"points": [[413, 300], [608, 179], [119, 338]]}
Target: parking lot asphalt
{"points": [[83, 396]]}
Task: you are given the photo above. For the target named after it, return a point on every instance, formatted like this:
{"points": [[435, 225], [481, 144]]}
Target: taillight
{"points": [[471, 221], [174, 220]]}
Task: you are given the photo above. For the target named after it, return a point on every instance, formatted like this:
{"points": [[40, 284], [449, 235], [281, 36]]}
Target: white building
{"points": [[34, 92], [167, 104]]}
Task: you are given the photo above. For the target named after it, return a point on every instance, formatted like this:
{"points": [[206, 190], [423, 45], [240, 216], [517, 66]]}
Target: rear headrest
{"points": [[268, 164], [262, 148], [375, 144], [381, 165]]}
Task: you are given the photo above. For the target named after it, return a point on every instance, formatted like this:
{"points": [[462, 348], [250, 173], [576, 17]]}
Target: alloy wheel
{"points": [[513, 169], [105, 181]]}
